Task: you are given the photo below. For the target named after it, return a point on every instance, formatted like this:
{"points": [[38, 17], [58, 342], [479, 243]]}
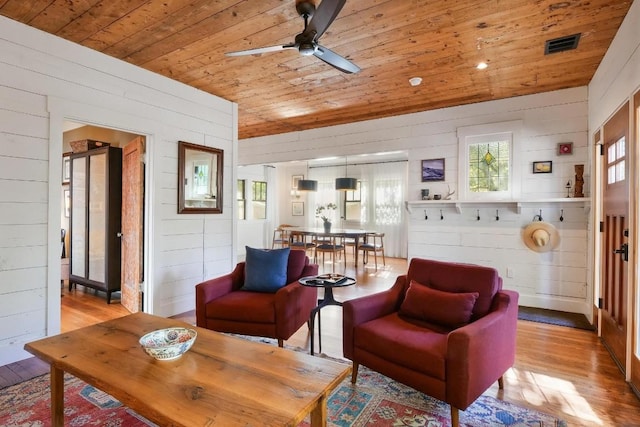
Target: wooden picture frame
{"points": [[543, 167], [297, 208], [432, 170], [66, 168], [67, 203], [200, 173], [565, 148], [294, 181]]}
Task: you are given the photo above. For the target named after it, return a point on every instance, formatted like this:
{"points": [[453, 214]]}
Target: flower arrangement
{"points": [[323, 210]]}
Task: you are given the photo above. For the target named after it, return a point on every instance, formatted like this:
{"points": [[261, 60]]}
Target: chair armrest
{"points": [[479, 353], [215, 288], [294, 303], [360, 310]]}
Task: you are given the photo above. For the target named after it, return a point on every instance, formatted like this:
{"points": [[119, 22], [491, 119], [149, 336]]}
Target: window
{"points": [[259, 193], [352, 203], [487, 156], [616, 155], [489, 165], [242, 208]]}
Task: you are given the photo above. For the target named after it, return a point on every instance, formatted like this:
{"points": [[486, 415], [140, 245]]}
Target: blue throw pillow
{"points": [[265, 270]]}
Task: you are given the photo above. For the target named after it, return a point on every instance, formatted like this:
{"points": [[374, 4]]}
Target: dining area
{"points": [[333, 246]]}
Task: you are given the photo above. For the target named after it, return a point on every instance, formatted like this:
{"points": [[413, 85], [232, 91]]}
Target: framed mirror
{"points": [[199, 179]]}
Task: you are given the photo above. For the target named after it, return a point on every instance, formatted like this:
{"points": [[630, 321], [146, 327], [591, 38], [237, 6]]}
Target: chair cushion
{"points": [[447, 309], [265, 270], [246, 307], [412, 346]]}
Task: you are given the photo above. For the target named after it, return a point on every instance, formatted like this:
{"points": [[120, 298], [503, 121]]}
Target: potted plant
{"points": [[323, 212]]}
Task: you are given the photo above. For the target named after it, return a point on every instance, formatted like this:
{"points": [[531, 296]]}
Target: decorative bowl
{"points": [[168, 344]]}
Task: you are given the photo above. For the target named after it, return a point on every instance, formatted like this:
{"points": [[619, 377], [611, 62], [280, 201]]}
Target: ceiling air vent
{"points": [[561, 44]]}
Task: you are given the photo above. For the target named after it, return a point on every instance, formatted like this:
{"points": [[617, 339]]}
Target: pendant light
{"points": [[307, 184], [346, 184]]}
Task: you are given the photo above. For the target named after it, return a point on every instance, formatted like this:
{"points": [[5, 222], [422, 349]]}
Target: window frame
{"points": [[470, 135], [242, 201]]}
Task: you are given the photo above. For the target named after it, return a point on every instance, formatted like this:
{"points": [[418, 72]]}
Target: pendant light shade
{"points": [[346, 184], [307, 185]]}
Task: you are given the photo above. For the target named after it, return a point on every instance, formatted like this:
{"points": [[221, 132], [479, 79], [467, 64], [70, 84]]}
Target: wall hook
{"points": [[425, 215], [497, 215], [561, 215], [478, 217], [538, 217], [441, 216]]}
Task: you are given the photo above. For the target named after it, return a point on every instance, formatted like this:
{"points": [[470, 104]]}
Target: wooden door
{"points": [[615, 316], [635, 355], [132, 224]]}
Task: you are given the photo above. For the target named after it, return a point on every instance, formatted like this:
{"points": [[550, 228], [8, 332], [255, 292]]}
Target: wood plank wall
{"points": [[45, 80]]}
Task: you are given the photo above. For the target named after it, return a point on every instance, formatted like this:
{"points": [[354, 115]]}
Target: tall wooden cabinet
{"points": [[95, 223]]}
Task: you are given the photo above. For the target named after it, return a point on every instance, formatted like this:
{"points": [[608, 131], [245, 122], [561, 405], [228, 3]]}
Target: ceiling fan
{"points": [[307, 41]]}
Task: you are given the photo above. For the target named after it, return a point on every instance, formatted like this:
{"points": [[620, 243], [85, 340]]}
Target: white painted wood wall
{"points": [[558, 280], [45, 80]]}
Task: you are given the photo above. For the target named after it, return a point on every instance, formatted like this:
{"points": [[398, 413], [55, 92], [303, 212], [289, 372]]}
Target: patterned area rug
{"points": [[374, 401]]}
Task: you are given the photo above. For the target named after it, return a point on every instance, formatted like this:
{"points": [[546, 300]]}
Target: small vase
{"points": [[327, 227]]}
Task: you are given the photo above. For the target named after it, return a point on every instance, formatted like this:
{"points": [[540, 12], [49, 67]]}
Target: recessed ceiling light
{"points": [[481, 65], [415, 81]]}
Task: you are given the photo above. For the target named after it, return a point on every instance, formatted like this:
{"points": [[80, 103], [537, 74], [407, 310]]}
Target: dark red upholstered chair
{"points": [[451, 345], [222, 306]]}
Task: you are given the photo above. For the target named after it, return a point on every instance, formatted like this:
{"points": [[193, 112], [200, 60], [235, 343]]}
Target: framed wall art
{"points": [[294, 181], [543, 167], [432, 170], [565, 148], [297, 208], [66, 168]]}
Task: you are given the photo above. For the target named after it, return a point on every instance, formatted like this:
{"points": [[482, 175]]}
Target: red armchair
{"points": [[222, 306], [451, 345]]}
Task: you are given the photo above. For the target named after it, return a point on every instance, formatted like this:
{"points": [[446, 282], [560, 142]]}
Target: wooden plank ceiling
{"points": [[391, 40]]}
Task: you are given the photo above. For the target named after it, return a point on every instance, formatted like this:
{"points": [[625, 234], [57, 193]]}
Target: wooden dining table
{"points": [[351, 233], [221, 381]]}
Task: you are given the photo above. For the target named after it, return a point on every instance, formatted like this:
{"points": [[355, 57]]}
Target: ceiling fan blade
{"points": [[323, 17], [336, 60], [260, 50]]}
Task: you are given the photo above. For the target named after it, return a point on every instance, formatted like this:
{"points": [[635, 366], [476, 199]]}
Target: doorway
{"points": [[84, 305]]}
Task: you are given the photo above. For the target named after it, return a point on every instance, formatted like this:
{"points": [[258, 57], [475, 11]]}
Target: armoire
{"points": [[95, 222]]}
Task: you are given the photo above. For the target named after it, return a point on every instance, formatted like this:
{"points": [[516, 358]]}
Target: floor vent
{"points": [[561, 44]]}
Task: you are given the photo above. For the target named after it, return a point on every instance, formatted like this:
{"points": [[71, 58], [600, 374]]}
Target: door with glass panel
{"points": [[615, 228]]}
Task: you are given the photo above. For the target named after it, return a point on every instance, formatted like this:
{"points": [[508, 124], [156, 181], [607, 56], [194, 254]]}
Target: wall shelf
{"points": [[517, 205]]}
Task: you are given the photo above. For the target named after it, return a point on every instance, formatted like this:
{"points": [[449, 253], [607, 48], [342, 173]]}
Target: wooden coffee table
{"points": [[220, 381]]}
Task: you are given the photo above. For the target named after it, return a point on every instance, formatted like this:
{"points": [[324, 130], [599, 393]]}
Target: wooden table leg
{"points": [[319, 413], [57, 397]]}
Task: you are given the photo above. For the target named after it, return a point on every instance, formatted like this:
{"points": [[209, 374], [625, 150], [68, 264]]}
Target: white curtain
{"points": [[384, 190]]}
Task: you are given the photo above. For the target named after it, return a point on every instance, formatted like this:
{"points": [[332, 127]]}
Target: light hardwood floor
{"points": [[562, 371]]}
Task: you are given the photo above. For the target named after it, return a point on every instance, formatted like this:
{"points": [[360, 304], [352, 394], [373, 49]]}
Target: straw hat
{"points": [[540, 236]]}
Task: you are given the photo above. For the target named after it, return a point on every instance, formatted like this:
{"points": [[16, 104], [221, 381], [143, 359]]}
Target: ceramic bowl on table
{"points": [[168, 344]]}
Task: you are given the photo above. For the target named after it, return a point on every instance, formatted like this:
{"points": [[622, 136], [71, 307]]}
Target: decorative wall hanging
{"points": [[543, 167], [433, 170], [565, 148]]}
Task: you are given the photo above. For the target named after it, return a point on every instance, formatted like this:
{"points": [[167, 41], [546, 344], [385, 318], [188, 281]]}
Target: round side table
{"points": [[327, 282]]}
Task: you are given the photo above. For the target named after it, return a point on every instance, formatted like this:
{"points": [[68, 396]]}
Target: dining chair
{"points": [[373, 242], [300, 241], [332, 245], [281, 236]]}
